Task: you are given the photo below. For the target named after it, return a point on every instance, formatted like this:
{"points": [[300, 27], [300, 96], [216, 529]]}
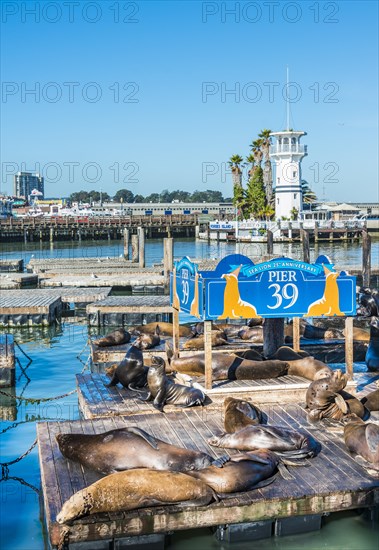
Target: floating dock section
{"points": [[333, 481], [29, 307], [124, 310]]}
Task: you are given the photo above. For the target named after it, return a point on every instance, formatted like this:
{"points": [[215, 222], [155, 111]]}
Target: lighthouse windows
{"points": [[294, 174], [295, 195]]}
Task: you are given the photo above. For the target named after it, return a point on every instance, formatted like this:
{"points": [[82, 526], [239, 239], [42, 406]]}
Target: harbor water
{"points": [[59, 352]]}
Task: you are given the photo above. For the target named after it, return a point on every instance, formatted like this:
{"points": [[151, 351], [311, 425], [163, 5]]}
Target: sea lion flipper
{"points": [[147, 437], [372, 437], [284, 471], [114, 381], [220, 461], [341, 403], [246, 409]]}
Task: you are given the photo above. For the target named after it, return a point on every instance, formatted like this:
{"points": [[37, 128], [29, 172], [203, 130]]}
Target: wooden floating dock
{"points": [[97, 400], [8, 265], [80, 295], [333, 481], [125, 280], [29, 307], [12, 281], [118, 310], [7, 360]]}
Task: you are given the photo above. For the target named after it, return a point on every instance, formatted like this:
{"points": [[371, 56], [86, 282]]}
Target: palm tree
{"points": [[266, 212], [251, 160], [309, 196], [267, 169], [235, 163], [256, 151]]}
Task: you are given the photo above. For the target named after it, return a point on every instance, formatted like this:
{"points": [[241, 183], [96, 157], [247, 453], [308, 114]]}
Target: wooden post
{"points": [[273, 336], [296, 333], [141, 244], [51, 234], [175, 332], [366, 258], [305, 241], [270, 242], [135, 242], [7, 360], [316, 231], [126, 243], [349, 346], [208, 354], [197, 231], [168, 260]]}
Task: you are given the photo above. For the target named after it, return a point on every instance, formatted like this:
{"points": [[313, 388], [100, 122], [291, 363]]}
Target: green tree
{"points": [[257, 151], [255, 194], [309, 196], [139, 198], [125, 195]]}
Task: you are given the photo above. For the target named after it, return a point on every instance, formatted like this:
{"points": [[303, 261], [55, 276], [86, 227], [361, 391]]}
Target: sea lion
{"points": [[255, 321], [362, 440], [227, 366], [283, 441], [164, 391], [239, 413], [368, 303], [325, 398], [148, 341], [371, 400], [254, 334], [372, 353], [309, 367], [165, 329], [359, 334], [128, 448], [131, 372], [133, 489], [250, 354], [197, 341], [115, 338], [242, 472], [285, 353]]}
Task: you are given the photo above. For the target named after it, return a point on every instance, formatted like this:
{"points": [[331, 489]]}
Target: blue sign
{"points": [[281, 287], [148, 212], [186, 211], [168, 212], [186, 288]]}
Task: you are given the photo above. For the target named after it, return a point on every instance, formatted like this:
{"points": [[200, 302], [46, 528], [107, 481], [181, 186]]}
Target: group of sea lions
{"points": [[143, 471]]}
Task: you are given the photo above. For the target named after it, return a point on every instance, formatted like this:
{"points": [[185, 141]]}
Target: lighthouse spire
{"points": [[288, 102]]}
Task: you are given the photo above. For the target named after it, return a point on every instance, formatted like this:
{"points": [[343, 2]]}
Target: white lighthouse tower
{"points": [[287, 153]]}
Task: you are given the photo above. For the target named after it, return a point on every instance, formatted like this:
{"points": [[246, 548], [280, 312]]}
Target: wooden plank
{"points": [[349, 343], [208, 354], [296, 333]]}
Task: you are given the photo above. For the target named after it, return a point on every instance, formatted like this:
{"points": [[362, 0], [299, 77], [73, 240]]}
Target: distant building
{"points": [[25, 182]]}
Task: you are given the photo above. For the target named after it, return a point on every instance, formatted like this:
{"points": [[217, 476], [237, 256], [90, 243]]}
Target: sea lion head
{"points": [[157, 363], [80, 504], [352, 417]]}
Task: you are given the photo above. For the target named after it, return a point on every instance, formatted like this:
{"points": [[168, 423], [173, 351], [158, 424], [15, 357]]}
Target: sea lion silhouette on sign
{"points": [[234, 306], [328, 304], [195, 302]]}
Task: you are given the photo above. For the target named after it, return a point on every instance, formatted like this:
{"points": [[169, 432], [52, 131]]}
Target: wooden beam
{"points": [[296, 333], [270, 242], [141, 246], [273, 335], [135, 243], [208, 354], [175, 332], [126, 243], [168, 259], [366, 258], [349, 341]]}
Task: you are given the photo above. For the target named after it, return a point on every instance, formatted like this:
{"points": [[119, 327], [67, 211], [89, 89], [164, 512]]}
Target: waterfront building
{"points": [[287, 153], [26, 182]]}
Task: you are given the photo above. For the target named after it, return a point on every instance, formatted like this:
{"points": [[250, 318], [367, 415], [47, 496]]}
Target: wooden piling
{"points": [[349, 342], [270, 242], [7, 360], [175, 332], [296, 333], [208, 354], [168, 259], [305, 243], [126, 243], [273, 335], [141, 246], [366, 258], [135, 251]]}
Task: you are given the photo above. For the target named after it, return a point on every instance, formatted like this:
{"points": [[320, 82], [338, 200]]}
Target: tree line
{"points": [[127, 196]]}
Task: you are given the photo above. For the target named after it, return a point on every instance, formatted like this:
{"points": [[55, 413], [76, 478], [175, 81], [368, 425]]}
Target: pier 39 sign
{"points": [[282, 287]]}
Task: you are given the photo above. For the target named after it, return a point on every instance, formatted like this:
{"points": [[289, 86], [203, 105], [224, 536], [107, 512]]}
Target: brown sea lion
{"points": [[164, 391], [250, 354], [362, 440], [285, 353], [130, 372], [227, 366], [148, 341], [242, 472], [326, 399], [165, 329], [115, 338], [254, 334], [371, 400], [133, 489], [360, 334], [309, 367], [239, 413], [197, 341], [128, 448], [283, 441]]}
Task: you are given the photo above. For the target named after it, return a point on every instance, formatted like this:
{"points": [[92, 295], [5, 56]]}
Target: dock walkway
{"points": [[118, 310], [332, 482]]}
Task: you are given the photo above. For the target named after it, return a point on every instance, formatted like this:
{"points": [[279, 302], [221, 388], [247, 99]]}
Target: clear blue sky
{"points": [[175, 129]]}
